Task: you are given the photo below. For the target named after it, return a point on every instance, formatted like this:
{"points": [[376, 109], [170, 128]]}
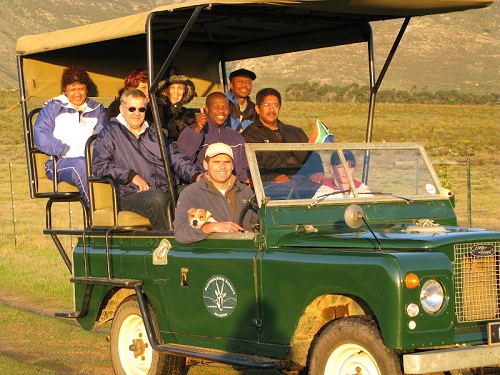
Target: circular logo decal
{"points": [[431, 189], [219, 296]]}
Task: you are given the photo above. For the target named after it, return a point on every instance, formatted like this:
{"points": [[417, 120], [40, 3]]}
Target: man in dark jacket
{"points": [[219, 192], [281, 166], [241, 108], [195, 139], [128, 151]]}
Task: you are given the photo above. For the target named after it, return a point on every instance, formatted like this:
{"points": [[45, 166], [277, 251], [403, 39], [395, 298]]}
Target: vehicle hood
{"points": [[391, 239]]}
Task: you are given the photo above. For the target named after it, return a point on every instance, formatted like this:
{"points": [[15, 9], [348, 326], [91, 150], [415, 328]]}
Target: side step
{"points": [[221, 356], [104, 281], [90, 282]]}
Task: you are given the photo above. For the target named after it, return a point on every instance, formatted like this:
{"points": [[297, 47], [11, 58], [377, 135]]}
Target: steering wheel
{"points": [[280, 191], [251, 202]]}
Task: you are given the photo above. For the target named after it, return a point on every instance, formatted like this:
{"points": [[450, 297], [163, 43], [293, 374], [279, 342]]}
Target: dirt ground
{"points": [[34, 341]]}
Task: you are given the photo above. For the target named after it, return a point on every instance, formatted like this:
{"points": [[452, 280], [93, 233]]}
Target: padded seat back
{"points": [[104, 201], [42, 186]]}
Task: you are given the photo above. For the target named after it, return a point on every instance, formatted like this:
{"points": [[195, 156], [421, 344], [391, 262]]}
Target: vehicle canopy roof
{"points": [[227, 30]]}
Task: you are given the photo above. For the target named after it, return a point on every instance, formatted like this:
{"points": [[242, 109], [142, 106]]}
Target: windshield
{"points": [[328, 172]]}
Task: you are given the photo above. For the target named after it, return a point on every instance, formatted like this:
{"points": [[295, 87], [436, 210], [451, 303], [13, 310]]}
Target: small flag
{"points": [[320, 133]]}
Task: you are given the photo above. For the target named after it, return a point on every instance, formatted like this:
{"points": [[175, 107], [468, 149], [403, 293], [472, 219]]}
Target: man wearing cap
{"points": [[219, 192], [242, 109]]}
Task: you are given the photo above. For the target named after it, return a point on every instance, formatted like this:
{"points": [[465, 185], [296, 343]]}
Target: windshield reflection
{"points": [[345, 173]]}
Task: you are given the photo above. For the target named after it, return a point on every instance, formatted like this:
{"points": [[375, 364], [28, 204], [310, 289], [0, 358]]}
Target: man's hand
{"points": [[201, 120], [221, 227], [140, 183], [318, 177], [281, 179]]}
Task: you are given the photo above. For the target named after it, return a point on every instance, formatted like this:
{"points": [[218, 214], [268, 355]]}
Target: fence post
{"points": [[13, 206], [469, 195]]}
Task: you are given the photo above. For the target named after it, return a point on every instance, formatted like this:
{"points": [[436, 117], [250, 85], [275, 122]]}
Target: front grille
{"points": [[477, 281]]}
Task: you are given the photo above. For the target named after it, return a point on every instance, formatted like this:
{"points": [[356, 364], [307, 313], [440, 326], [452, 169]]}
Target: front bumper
{"points": [[451, 359]]}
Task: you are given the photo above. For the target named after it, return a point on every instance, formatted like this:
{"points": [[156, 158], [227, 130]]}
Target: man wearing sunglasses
{"points": [[128, 151]]}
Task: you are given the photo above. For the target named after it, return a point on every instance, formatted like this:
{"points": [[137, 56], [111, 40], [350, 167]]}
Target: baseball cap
{"points": [[218, 148], [242, 72]]}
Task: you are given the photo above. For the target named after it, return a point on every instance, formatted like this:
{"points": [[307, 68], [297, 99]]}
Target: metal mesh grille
{"points": [[477, 282]]}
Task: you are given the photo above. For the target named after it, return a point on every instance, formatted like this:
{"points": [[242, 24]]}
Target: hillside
{"points": [[452, 51]]}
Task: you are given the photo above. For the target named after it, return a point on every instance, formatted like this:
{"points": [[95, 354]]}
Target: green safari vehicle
{"points": [[374, 279]]}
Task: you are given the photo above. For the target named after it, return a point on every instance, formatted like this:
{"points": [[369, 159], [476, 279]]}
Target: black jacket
{"points": [[120, 155], [290, 163]]}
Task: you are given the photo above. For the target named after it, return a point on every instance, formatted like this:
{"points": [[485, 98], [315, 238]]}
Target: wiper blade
{"points": [[408, 199], [321, 198]]}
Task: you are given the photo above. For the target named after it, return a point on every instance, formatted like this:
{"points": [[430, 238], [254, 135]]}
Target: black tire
{"points": [[128, 334], [352, 346]]}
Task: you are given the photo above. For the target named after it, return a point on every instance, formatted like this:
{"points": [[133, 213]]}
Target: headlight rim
{"points": [[431, 289]]}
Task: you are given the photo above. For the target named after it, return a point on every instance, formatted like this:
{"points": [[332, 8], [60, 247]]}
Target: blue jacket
{"points": [[118, 154], [59, 126], [249, 115], [194, 145]]}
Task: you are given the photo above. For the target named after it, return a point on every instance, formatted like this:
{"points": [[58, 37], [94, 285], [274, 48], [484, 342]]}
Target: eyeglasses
{"points": [[133, 109], [267, 105]]}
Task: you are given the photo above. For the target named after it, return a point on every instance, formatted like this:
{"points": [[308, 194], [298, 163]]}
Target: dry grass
{"points": [[451, 134]]}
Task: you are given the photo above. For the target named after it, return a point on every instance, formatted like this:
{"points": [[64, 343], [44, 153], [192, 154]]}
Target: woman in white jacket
{"points": [[63, 126]]}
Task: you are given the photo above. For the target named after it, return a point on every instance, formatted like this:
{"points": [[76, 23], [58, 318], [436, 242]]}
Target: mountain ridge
{"points": [[455, 51]]}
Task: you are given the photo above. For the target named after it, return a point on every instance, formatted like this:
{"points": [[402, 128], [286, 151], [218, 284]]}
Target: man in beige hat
{"points": [[218, 192]]}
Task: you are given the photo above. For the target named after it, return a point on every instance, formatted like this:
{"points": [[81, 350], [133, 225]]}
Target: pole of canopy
{"points": [[371, 107], [176, 46], [375, 85], [153, 84], [154, 108], [223, 67], [392, 52], [24, 112]]}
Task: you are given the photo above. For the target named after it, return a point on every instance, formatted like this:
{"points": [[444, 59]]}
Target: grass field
{"points": [[34, 278]]}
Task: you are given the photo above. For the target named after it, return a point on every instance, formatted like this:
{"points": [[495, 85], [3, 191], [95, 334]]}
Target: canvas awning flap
{"points": [[42, 76], [227, 30]]}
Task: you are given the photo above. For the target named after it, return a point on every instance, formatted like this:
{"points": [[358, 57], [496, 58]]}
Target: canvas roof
{"points": [[227, 29]]}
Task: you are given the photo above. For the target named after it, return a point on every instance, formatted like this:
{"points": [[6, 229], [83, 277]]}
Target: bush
{"points": [[353, 93]]}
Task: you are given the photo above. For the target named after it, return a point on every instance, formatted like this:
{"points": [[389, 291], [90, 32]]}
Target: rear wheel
{"points": [[352, 346], [131, 352]]}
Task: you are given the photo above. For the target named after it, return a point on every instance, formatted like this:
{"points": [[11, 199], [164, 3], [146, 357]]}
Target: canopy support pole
{"points": [[153, 84], [375, 85], [24, 111], [173, 52]]}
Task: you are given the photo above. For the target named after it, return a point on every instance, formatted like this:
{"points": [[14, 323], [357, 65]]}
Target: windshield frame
{"points": [[252, 148]]}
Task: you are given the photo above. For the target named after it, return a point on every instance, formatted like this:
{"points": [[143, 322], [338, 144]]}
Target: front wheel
{"points": [[131, 352], [352, 346]]}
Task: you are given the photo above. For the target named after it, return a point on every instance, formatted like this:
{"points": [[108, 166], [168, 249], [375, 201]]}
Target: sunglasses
{"points": [[133, 109]]}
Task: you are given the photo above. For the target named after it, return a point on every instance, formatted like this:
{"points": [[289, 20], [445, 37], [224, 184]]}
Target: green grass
{"points": [[33, 275]]}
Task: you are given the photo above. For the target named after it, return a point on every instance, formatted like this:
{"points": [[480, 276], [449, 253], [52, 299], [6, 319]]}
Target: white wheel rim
{"points": [[132, 336], [351, 359]]}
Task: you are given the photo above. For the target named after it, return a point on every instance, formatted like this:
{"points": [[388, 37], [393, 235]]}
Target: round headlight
{"points": [[432, 296]]}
